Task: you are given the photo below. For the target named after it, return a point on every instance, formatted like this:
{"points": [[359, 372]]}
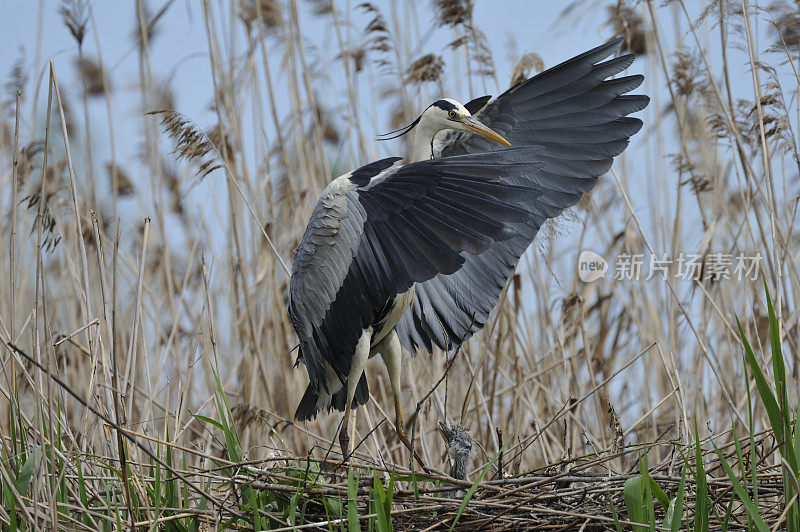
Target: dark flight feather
{"points": [[578, 121]]}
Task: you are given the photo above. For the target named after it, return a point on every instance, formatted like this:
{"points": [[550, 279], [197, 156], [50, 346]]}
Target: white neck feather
{"points": [[424, 133]]}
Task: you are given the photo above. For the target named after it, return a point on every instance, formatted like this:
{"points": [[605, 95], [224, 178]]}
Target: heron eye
{"points": [[452, 114]]}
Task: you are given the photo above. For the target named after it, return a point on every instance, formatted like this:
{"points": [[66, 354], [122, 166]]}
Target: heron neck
{"points": [[423, 146], [459, 468]]}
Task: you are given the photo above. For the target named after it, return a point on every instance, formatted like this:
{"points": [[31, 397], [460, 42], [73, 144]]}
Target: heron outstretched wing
{"points": [[386, 226], [577, 118]]}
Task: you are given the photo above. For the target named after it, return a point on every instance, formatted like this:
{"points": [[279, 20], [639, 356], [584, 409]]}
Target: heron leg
{"points": [[344, 435], [392, 355], [356, 369]]}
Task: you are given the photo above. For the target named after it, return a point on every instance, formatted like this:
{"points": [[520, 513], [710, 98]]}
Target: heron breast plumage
{"points": [[393, 311]]}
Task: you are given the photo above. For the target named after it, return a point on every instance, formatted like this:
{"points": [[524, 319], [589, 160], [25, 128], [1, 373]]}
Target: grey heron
{"points": [[416, 253]]}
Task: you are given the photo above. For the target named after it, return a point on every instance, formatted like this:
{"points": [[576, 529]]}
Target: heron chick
{"points": [[461, 449]]}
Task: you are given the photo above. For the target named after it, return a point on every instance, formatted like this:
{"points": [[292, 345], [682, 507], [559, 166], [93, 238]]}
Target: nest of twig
{"points": [[583, 493]]}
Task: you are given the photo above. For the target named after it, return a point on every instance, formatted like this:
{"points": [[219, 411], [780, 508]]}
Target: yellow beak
{"points": [[474, 126]]}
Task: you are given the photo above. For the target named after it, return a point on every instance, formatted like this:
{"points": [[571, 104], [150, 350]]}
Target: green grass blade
{"points": [[674, 517], [752, 510], [634, 494], [614, 515], [390, 489], [226, 424], [371, 510], [384, 521], [751, 428], [740, 460], [777, 407], [353, 523], [82, 489], [10, 503], [764, 391], [670, 513], [788, 448], [208, 420], [274, 432], [728, 512], [25, 472], [291, 512], [702, 502], [157, 482], [659, 494], [231, 439], [648, 492], [415, 476], [781, 384], [194, 524], [778, 366], [171, 490], [797, 435]]}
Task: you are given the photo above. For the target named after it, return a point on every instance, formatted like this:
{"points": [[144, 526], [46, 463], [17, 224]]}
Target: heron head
{"points": [[458, 440], [447, 114], [450, 114]]}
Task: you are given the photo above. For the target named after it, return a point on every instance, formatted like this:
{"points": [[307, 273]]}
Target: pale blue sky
{"points": [[180, 51]]}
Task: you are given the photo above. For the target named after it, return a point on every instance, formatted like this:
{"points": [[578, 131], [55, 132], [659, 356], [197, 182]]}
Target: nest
{"points": [[582, 493]]}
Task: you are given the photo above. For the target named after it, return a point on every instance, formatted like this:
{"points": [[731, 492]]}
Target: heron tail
{"points": [[315, 399], [339, 399], [311, 403]]}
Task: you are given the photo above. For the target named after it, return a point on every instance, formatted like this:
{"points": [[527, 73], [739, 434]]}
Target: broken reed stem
{"points": [[112, 145], [119, 414], [87, 309], [12, 248], [130, 358]]}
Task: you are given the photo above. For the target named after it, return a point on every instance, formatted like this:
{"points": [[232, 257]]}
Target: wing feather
{"points": [[370, 239], [577, 120]]}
